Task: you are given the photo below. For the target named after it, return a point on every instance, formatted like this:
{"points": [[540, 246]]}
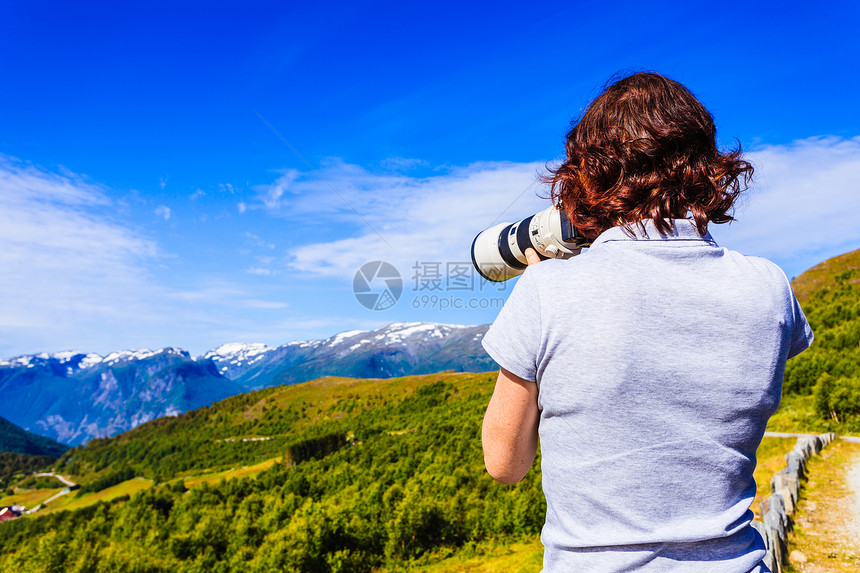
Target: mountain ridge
{"points": [[75, 396]]}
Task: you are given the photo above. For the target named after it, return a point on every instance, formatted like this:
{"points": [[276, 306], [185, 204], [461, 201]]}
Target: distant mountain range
{"points": [[74, 397]]}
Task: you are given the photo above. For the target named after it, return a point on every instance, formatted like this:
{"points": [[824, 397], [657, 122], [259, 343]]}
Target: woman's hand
{"points": [[531, 256]]}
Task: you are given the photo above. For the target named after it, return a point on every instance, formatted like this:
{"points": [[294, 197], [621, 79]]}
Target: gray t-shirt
{"points": [[659, 360]]}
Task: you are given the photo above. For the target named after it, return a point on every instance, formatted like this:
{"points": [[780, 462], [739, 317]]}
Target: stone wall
{"points": [[776, 510]]}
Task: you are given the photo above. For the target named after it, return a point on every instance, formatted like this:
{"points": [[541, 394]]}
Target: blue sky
{"points": [[145, 201]]}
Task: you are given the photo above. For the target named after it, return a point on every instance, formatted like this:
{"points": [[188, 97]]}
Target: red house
{"points": [[7, 513]]}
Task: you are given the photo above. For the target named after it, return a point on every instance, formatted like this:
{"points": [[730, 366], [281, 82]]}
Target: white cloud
{"points": [[804, 205], [197, 194], [77, 275], [259, 241], [163, 211], [64, 260], [408, 219]]}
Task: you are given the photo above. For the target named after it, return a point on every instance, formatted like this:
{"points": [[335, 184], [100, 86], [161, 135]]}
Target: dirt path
{"points": [[853, 481], [827, 522], [66, 490], [57, 476]]}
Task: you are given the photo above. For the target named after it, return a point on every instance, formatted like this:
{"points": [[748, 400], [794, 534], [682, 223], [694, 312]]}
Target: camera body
{"points": [[498, 253]]}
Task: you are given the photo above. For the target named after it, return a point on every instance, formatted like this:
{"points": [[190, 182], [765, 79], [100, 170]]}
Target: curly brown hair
{"points": [[646, 149]]}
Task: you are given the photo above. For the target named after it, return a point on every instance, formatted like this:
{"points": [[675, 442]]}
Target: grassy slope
{"points": [[824, 275], [211, 438], [486, 558], [73, 501], [28, 497], [321, 404], [817, 388], [398, 421]]}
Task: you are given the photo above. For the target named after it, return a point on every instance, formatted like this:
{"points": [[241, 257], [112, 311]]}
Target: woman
{"points": [[650, 364]]}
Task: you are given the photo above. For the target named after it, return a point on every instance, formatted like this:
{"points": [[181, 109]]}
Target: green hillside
{"points": [[375, 474], [249, 428], [18, 440], [12, 464], [821, 388], [824, 275], [23, 452]]}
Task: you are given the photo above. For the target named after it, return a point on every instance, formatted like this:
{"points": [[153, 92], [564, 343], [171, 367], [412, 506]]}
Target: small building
{"points": [[9, 512]]}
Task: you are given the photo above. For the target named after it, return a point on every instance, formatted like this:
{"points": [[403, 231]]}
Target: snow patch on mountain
{"points": [[399, 331], [17, 361], [89, 360], [73, 360], [140, 354], [237, 355], [338, 338]]}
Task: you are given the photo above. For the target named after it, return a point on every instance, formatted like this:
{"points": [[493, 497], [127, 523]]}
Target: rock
{"points": [[817, 444], [797, 556], [774, 521], [803, 448], [794, 462], [785, 480], [788, 500]]}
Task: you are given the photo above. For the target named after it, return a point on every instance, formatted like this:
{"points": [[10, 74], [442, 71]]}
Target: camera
{"points": [[498, 253]]}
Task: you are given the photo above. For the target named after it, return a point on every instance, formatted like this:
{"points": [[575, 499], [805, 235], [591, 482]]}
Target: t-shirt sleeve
{"points": [[513, 340], [802, 336]]}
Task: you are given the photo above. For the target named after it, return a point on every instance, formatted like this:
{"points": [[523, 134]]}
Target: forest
{"points": [[827, 375], [407, 478]]}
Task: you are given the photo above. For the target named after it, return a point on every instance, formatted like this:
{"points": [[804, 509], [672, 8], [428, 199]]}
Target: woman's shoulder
{"points": [[553, 269], [760, 265]]}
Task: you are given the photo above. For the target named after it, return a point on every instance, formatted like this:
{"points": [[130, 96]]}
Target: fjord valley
{"points": [[352, 473]]}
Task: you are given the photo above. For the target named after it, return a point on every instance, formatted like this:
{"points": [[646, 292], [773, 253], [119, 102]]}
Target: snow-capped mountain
{"points": [[394, 350], [75, 396], [235, 357], [74, 361]]}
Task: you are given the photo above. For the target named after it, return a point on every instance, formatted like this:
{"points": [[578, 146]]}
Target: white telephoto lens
{"points": [[499, 252], [487, 256]]}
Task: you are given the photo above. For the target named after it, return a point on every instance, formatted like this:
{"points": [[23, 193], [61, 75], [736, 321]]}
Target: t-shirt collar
{"points": [[682, 230]]}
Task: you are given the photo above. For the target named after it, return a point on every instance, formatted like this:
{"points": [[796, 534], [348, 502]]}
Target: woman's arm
{"points": [[510, 431]]}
